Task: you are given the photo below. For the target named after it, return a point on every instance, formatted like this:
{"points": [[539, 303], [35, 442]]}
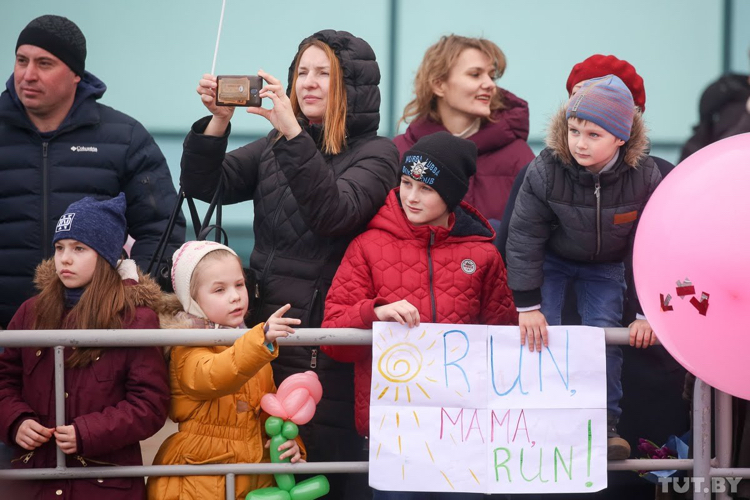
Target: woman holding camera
{"points": [[455, 90], [315, 180]]}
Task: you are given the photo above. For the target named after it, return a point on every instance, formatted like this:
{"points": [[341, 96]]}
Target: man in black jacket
{"points": [[57, 145]]}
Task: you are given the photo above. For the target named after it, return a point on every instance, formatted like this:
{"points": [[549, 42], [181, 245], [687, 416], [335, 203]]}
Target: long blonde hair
{"points": [[334, 120], [436, 66], [103, 305]]}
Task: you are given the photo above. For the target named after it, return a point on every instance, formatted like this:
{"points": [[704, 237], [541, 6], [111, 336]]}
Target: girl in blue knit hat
{"points": [[574, 222], [113, 397]]}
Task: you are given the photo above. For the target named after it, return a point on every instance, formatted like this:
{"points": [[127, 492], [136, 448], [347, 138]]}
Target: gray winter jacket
{"points": [[580, 216]]}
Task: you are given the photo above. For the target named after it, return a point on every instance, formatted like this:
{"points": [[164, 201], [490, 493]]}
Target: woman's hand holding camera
{"points": [[281, 115], [221, 114]]}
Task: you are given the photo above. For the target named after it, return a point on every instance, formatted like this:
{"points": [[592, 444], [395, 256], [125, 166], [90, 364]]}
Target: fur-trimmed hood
{"points": [[636, 149], [144, 290], [172, 315]]}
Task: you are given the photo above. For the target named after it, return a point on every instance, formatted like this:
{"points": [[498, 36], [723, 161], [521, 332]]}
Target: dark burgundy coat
{"points": [[502, 152], [113, 403]]}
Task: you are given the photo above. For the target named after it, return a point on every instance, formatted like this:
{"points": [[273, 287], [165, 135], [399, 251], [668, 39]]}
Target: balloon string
{"points": [[218, 36]]}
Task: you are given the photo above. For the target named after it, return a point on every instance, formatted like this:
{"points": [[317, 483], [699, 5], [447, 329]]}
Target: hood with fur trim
{"points": [[172, 315], [144, 290], [636, 149]]}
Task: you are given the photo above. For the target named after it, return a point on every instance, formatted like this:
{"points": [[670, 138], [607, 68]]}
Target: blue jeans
{"points": [[600, 290], [420, 495]]}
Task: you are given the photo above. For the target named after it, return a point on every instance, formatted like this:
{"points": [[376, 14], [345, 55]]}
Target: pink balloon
{"points": [[308, 380], [305, 413], [294, 400], [697, 227], [272, 405]]}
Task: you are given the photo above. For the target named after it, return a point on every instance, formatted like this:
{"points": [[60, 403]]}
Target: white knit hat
{"points": [[184, 262]]}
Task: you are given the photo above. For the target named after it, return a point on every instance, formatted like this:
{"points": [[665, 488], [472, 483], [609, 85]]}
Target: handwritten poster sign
{"points": [[465, 408]]}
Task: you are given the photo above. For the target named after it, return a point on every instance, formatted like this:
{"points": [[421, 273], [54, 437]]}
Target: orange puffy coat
{"points": [[216, 395]]}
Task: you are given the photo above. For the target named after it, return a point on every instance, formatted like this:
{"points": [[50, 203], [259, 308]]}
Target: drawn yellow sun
{"points": [[401, 363]]}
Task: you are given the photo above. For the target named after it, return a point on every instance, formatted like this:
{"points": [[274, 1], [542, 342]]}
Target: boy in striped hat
{"points": [[574, 222]]}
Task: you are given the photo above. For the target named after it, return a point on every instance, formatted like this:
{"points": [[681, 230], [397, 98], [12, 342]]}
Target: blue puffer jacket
{"points": [[96, 151]]}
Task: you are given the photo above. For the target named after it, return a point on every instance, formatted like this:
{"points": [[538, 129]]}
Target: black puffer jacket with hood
{"points": [[308, 206], [97, 151], [578, 215]]}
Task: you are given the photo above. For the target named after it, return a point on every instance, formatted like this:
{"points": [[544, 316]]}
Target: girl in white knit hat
{"points": [[216, 390]]}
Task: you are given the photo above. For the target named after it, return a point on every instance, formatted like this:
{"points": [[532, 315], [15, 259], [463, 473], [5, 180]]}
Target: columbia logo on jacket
{"points": [[84, 149]]}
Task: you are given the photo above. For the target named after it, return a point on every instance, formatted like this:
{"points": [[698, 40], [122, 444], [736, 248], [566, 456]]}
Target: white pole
{"points": [[218, 36]]}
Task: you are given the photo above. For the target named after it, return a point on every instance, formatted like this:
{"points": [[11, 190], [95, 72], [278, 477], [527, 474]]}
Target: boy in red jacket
{"points": [[426, 256]]}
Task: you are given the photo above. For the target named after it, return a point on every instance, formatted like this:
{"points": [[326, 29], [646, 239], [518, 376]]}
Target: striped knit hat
{"points": [[606, 102]]}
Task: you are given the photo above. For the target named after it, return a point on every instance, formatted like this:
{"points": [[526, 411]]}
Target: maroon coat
{"points": [[113, 403], [502, 152], [395, 260]]}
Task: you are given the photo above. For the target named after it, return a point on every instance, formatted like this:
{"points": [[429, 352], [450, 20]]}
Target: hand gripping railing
{"points": [[59, 339]]}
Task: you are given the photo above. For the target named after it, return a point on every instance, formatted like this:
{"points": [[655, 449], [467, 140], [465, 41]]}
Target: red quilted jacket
{"points": [[394, 260]]}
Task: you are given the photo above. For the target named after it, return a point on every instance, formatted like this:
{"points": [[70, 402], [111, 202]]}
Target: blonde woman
{"points": [[455, 90], [315, 180]]}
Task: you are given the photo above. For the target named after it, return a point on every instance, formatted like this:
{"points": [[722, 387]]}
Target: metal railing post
{"points": [[60, 398], [702, 437], [229, 486], [723, 434]]}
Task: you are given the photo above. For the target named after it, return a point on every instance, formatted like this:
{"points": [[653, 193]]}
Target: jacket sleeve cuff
{"points": [[198, 142], [79, 441], [292, 153], [367, 310], [16, 424], [528, 309], [527, 298]]}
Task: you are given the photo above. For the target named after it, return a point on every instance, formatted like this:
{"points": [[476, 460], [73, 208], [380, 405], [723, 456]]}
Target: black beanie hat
{"points": [[445, 163], [60, 37]]}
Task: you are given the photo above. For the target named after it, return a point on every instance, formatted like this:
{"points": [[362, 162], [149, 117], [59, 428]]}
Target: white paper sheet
{"points": [[464, 408]]}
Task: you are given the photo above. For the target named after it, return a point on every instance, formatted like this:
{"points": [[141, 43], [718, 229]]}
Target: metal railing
{"points": [[701, 464]]}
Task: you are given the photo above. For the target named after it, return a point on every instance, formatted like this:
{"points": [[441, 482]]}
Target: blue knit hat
{"points": [[98, 224], [606, 102]]}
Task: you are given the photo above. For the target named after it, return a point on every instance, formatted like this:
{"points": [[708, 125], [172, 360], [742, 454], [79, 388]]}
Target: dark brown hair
{"points": [[103, 306]]}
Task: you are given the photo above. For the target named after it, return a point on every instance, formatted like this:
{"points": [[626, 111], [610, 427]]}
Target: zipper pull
{"points": [[257, 291], [27, 457], [44, 149], [80, 459], [597, 188], [314, 358]]}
